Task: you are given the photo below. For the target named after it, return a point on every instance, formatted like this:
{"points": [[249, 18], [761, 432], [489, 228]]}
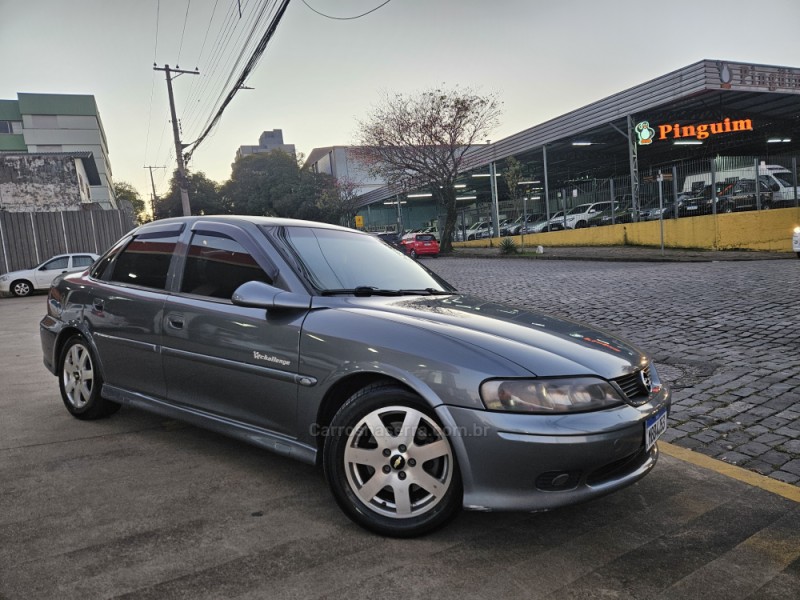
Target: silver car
{"points": [[326, 345]]}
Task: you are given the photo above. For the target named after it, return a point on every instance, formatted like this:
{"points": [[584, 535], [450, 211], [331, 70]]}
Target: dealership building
{"points": [[641, 146]]}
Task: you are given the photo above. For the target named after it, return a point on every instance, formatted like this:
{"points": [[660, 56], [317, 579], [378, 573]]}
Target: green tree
{"points": [[129, 200], [421, 140], [204, 197], [512, 175], [273, 184], [338, 203]]}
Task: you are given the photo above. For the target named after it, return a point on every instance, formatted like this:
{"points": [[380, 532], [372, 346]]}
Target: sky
{"points": [[318, 75]]}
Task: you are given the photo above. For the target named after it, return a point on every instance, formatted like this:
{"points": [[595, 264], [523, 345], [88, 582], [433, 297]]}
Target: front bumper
{"points": [[534, 462]]}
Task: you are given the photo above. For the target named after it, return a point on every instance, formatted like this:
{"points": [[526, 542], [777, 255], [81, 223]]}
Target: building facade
{"points": [[62, 125], [267, 142]]}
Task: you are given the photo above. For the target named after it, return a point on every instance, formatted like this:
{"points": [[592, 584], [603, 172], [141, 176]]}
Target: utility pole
{"points": [[153, 197], [182, 180]]}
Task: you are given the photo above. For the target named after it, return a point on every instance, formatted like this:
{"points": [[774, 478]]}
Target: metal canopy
{"points": [[705, 92]]}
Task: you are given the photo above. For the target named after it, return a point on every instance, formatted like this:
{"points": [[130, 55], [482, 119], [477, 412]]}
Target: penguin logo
{"points": [[645, 133]]}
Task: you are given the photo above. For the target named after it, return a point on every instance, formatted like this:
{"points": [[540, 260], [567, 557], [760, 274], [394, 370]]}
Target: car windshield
{"points": [[336, 260]]}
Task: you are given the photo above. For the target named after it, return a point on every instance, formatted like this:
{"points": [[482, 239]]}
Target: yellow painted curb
{"points": [[749, 477]]}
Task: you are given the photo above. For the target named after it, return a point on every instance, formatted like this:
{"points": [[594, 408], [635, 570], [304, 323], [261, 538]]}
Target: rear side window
{"points": [[143, 262], [217, 265], [82, 261]]}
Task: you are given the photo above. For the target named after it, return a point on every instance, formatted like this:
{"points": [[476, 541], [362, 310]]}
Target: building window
{"points": [[6, 127]]}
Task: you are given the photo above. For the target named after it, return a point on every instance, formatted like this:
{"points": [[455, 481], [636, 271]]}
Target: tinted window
{"points": [[82, 261], [144, 261], [56, 263], [333, 259], [217, 265], [425, 237]]}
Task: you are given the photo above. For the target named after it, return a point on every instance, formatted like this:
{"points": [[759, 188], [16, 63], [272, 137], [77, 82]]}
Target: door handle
{"points": [[175, 322]]}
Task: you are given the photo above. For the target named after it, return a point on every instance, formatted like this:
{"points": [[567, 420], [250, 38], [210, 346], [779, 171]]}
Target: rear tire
{"points": [[389, 463], [81, 383]]}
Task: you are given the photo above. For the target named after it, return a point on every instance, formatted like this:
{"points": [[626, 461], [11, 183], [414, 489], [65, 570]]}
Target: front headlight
{"points": [[547, 396], [797, 229], [3, 277]]}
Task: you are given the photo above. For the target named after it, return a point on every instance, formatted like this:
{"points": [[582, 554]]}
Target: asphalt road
{"points": [[136, 506]]}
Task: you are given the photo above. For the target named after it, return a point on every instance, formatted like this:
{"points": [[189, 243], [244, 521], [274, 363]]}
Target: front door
{"points": [[226, 359]]}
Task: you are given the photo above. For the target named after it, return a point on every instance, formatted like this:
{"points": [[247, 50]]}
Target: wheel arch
{"points": [[339, 393], [23, 280]]}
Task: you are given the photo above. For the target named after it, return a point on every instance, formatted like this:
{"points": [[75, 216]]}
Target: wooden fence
{"points": [[27, 239]]}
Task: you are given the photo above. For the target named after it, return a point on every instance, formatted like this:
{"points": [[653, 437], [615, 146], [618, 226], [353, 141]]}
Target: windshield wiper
{"points": [[366, 290]]}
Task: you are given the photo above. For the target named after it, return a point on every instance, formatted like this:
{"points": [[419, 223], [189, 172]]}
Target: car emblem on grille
{"points": [[648, 383]]}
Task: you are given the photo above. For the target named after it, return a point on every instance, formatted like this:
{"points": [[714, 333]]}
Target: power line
{"points": [[185, 20], [345, 18], [251, 64]]}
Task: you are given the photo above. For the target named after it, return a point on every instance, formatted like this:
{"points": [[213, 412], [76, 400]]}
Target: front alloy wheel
{"points": [[21, 288], [390, 464]]}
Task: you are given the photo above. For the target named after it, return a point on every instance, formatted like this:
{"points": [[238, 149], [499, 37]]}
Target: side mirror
{"points": [[257, 294]]}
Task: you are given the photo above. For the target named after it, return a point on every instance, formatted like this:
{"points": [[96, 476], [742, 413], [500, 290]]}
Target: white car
{"points": [[796, 241], [578, 217], [23, 283]]}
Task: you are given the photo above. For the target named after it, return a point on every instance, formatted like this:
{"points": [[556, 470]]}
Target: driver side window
{"points": [[217, 265]]}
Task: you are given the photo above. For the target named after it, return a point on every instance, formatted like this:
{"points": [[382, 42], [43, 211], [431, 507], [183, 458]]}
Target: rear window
{"points": [[425, 237]]}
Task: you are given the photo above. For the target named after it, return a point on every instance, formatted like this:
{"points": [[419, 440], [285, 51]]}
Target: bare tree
{"points": [[419, 140]]}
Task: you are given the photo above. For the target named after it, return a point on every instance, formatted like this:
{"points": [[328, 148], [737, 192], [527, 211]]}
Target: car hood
{"points": [[541, 344]]}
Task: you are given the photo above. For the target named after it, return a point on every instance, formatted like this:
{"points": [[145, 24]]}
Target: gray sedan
{"points": [[324, 344]]}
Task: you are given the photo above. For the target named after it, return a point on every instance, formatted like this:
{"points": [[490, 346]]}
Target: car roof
{"points": [[242, 219]]}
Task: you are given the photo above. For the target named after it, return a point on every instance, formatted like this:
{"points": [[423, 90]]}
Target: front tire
{"points": [[21, 288], [80, 382], [389, 463], [412, 253]]}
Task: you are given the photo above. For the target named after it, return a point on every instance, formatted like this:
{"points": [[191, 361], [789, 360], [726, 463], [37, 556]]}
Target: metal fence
{"points": [[684, 189], [27, 239]]}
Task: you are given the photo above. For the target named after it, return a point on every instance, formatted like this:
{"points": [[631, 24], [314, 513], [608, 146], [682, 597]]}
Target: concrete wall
{"points": [[37, 183], [769, 230]]}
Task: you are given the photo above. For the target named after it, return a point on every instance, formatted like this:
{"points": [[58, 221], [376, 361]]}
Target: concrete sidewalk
{"points": [[625, 254]]}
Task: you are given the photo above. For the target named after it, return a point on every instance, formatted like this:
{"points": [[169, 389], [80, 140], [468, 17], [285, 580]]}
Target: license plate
{"points": [[654, 427], [691, 208]]}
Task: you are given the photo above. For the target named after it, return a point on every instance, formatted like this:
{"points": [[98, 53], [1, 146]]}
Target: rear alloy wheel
{"points": [[412, 253], [390, 465], [80, 382], [21, 288]]}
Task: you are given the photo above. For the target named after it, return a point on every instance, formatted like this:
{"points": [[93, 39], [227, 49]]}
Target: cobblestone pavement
{"points": [[725, 335]]}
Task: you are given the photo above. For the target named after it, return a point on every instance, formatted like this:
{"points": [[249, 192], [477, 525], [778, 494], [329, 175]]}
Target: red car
{"points": [[421, 244]]}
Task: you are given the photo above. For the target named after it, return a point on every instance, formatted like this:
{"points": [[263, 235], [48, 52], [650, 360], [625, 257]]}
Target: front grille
{"points": [[633, 385]]}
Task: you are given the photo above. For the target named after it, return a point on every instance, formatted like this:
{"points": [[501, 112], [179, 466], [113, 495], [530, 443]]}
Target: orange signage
{"points": [[703, 130]]}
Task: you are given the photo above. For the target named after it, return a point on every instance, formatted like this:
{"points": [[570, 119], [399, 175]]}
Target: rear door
{"points": [[125, 309], [233, 361]]}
